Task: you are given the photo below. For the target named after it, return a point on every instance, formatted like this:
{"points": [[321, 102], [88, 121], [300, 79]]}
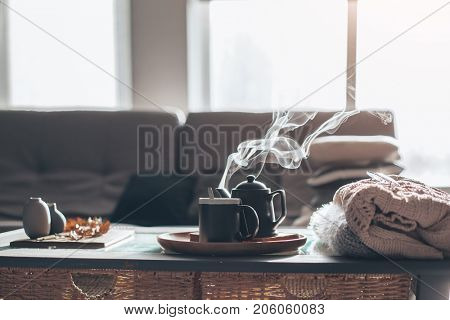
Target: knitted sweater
{"points": [[402, 219]]}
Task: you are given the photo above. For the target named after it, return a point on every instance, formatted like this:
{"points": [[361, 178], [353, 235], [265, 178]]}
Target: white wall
{"points": [[159, 50]]}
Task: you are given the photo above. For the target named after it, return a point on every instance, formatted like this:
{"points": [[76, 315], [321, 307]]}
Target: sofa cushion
{"points": [[79, 159], [209, 137]]}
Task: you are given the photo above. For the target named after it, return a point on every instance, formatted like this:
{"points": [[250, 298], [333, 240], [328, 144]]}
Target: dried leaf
{"points": [[80, 228]]}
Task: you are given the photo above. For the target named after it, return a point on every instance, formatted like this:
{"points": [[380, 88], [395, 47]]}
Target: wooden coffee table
{"points": [[137, 269]]}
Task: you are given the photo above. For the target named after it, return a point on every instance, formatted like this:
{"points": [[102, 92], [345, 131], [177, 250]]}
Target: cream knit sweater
{"points": [[402, 219]]}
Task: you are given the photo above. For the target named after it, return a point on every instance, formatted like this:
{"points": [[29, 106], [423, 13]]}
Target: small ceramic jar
{"points": [[58, 220], [36, 218]]}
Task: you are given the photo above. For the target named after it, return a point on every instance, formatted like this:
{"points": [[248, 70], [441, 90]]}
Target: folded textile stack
{"points": [[395, 217], [338, 160], [334, 158]]}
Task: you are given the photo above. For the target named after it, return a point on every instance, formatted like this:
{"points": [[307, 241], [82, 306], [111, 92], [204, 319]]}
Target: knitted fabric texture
{"points": [[402, 219]]}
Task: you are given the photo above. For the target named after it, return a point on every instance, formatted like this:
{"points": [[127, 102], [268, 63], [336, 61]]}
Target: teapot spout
{"points": [[224, 193]]}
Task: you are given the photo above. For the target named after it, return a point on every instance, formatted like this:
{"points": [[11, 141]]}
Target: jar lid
{"points": [[251, 184]]}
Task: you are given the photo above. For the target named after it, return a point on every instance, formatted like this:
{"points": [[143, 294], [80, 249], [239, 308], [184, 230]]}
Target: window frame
{"points": [[4, 69]]}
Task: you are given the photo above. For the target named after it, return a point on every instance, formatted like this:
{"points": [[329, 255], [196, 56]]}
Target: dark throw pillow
{"points": [[155, 201]]}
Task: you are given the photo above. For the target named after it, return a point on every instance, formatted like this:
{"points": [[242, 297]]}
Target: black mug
{"points": [[225, 220]]}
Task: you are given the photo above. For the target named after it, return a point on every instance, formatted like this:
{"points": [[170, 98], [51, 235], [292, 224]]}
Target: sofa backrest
{"points": [[78, 159]]}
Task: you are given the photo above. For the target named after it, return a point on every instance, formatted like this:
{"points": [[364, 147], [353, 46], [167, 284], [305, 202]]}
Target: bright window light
{"points": [[43, 72], [410, 76], [271, 54]]}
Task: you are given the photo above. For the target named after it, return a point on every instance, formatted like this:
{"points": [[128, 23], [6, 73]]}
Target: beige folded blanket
{"points": [[402, 219], [350, 151]]}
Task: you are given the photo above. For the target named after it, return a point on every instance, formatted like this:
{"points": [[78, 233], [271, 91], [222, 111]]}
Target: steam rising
{"points": [[277, 147]]}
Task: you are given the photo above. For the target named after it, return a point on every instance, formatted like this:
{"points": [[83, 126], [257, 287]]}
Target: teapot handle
{"points": [[283, 206]]}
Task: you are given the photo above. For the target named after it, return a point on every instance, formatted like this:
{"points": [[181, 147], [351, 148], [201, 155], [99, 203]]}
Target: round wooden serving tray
{"points": [[187, 243]]}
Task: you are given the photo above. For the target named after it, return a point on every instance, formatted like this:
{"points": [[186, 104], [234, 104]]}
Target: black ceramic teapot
{"points": [[256, 195]]}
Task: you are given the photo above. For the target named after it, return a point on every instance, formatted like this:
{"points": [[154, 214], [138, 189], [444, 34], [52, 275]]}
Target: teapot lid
{"points": [[251, 184]]}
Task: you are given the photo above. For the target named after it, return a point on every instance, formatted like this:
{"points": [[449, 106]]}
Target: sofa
{"points": [[84, 160]]}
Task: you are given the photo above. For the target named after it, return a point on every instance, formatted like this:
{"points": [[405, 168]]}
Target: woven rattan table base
{"points": [[24, 283]]}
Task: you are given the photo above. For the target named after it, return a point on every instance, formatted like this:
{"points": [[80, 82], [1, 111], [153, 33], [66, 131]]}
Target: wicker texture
{"points": [[305, 286], [165, 285], [22, 283]]}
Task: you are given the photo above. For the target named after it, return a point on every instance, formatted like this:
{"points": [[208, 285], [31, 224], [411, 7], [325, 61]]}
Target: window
{"points": [[49, 43], [266, 54], [411, 76]]}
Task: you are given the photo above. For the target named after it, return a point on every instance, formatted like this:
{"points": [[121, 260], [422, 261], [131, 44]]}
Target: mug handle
{"points": [[283, 207], [254, 215]]}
